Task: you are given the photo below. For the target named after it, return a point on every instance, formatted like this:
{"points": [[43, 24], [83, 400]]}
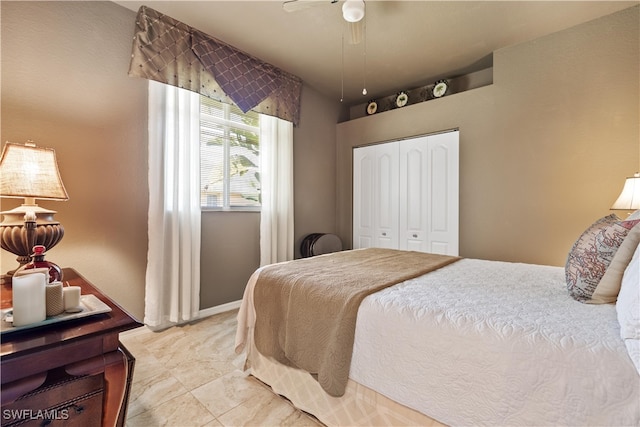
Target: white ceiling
{"points": [[408, 43]]}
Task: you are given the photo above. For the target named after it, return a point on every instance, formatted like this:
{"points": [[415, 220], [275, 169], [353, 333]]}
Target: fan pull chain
{"points": [[342, 71], [364, 66]]}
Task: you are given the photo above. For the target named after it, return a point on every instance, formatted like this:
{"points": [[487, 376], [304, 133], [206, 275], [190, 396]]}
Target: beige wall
{"points": [[314, 166], [65, 86], [543, 151]]}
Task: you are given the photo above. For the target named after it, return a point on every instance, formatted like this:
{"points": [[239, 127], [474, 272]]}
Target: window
{"points": [[229, 157]]}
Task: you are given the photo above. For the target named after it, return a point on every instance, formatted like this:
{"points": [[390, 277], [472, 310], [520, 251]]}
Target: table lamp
{"points": [[629, 198], [29, 172]]}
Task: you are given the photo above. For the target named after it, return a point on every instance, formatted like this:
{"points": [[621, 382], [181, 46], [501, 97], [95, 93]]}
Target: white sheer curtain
{"points": [[172, 293], [276, 177]]}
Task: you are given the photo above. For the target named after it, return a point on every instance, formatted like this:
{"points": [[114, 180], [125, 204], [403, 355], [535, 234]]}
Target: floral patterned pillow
{"points": [[591, 255]]}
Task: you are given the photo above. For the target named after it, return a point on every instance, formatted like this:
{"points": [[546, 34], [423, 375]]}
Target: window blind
{"points": [[229, 156]]}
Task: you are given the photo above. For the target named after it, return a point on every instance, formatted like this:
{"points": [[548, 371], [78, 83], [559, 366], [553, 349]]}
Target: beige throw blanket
{"points": [[306, 309]]}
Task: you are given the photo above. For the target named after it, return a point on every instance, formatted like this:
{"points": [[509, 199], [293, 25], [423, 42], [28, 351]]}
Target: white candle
{"points": [[71, 298], [29, 299], [45, 271]]}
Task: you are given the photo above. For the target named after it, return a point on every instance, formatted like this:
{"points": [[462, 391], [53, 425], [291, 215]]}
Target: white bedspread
{"points": [[493, 343]]}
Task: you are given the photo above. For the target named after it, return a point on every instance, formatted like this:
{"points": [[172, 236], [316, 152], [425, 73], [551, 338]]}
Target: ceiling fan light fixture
{"points": [[353, 10]]}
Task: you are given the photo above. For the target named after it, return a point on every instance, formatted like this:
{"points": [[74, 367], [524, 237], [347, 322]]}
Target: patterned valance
{"points": [[171, 52]]}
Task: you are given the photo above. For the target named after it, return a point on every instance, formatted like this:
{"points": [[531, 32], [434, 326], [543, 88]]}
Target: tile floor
{"points": [[190, 376]]}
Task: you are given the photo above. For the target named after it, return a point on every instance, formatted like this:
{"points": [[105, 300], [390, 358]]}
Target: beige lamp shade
{"points": [[30, 172], [629, 198]]}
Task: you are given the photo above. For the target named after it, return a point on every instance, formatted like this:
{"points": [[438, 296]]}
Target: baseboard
{"points": [[233, 305], [219, 309]]}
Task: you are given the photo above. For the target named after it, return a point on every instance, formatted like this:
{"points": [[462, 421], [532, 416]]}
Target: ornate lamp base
{"points": [[27, 226]]}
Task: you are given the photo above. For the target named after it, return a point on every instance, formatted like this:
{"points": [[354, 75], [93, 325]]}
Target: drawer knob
{"points": [[415, 235]]}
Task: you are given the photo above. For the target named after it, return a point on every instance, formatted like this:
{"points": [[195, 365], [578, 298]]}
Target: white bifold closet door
{"points": [[375, 196], [405, 194]]}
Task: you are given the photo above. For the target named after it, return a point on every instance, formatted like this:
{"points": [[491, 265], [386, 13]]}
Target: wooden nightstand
{"points": [[69, 373]]}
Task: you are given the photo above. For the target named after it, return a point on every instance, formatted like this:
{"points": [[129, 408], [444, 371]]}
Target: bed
{"points": [[473, 342]]}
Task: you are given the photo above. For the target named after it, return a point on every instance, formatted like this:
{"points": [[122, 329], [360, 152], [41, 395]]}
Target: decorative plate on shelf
{"points": [[440, 88], [372, 107], [402, 99]]}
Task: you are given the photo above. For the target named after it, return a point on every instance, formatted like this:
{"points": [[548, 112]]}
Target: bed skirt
{"points": [[360, 406]]}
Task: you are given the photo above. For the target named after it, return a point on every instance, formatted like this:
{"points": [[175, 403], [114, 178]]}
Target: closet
{"points": [[405, 194]]}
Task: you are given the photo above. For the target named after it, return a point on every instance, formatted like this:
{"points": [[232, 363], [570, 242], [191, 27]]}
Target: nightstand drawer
{"points": [[63, 400]]}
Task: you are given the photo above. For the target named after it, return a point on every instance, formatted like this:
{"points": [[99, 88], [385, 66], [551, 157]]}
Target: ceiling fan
{"points": [[352, 13], [352, 10]]}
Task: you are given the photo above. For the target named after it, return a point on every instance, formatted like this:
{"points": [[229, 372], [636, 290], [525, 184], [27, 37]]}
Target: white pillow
{"points": [[634, 215], [628, 308], [628, 304]]}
